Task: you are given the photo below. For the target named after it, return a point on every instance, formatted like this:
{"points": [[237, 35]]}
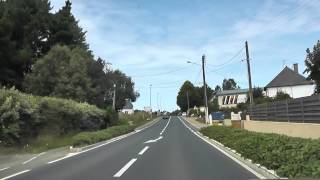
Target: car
{"points": [[165, 117]]}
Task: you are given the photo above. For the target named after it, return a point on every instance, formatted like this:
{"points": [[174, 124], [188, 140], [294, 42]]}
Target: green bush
{"points": [[288, 156], [24, 116], [86, 138]]}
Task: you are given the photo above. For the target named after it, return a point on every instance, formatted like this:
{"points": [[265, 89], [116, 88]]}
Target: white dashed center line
{"points": [[124, 168], [143, 150]]}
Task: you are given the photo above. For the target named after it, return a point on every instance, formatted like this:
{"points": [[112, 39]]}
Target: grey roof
{"points": [[288, 77], [128, 105], [230, 92]]}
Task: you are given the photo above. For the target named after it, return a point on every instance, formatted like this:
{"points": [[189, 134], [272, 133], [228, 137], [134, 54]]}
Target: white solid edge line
{"points": [[110, 141], [143, 150], [226, 154], [16, 174], [33, 158], [165, 126], [124, 168], [4, 168]]}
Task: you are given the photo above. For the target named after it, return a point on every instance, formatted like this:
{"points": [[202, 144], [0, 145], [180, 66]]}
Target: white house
{"points": [[290, 82], [230, 98], [128, 107]]}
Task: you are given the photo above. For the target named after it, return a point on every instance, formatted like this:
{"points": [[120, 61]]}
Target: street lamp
{"points": [[204, 87]]}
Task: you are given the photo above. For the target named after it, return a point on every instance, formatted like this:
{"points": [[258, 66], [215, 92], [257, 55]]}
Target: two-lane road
{"points": [[167, 150]]}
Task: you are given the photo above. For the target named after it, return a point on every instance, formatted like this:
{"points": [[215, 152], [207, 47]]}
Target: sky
{"points": [[152, 40]]}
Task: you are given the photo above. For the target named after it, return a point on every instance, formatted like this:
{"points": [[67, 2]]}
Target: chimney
{"points": [[295, 68]]}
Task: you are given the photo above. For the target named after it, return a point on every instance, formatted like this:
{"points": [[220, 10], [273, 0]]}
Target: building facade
{"points": [[291, 82], [230, 98]]}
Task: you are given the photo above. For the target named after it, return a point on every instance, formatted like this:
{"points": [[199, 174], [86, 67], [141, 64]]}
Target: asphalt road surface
{"points": [[166, 150]]}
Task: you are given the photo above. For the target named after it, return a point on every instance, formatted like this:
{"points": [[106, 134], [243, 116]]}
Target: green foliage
{"points": [[282, 96], [196, 96], [312, 63], [213, 105], [61, 73], [86, 138], [24, 117], [288, 156], [257, 92], [229, 84]]}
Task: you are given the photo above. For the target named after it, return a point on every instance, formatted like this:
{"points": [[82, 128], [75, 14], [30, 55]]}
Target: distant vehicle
{"points": [[184, 114], [165, 117]]}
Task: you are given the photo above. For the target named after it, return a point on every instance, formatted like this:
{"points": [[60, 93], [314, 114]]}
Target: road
{"points": [[166, 150]]}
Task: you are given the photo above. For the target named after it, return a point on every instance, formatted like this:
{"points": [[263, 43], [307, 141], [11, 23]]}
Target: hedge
{"points": [[86, 138], [24, 116], [288, 156]]}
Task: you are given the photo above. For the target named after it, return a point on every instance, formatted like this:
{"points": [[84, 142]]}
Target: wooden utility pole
{"points": [[249, 74], [205, 89], [114, 97], [188, 103]]}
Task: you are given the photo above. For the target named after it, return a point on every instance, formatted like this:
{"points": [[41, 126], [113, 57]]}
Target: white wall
{"points": [[127, 111], [293, 91], [242, 98]]}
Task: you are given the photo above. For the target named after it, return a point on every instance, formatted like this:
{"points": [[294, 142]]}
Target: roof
{"points": [[233, 91], [128, 105], [288, 77]]}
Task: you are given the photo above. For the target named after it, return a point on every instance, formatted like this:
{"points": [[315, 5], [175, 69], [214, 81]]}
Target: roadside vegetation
{"points": [[288, 156], [34, 123]]}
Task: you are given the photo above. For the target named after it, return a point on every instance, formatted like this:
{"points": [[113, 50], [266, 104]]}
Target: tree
{"points": [[64, 29], [229, 84], [61, 73], [257, 92], [23, 30], [312, 63], [193, 94], [124, 88], [281, 96], [200, 93]]}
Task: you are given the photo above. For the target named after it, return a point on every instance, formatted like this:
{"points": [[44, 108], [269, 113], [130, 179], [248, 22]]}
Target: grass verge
{"points": [[288, 156]]}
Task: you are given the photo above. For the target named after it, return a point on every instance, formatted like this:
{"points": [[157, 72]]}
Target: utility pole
{"points": [[205, 89], [114, 97], [150, 102], [188, 103], [249, 74]]}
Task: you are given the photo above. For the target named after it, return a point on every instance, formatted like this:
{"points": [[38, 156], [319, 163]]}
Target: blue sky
{"points": [[151, 40]]}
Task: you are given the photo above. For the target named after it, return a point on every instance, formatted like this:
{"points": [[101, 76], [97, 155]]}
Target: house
{"points": [[128, 107], [148, 109], [291, 82], [230, 98]]}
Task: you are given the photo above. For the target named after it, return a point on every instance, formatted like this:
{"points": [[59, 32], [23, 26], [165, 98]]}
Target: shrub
{"points": [[288, 156], [24, 116], [86, 138]]}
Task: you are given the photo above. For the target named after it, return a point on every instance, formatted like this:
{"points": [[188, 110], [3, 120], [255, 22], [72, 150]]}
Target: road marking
{"points": [[16, 174], [225, 153], [65, 157], [143, 150], [124, 168], [4, 168], [33, 158], [165, 126], [109, 141], [154, 140]]}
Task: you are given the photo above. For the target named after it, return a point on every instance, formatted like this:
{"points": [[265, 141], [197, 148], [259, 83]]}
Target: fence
{"points": [[304, 110]]}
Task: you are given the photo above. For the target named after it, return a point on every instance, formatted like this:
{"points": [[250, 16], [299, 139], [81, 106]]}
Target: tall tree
{"points": [[61, 73], [187, 89], [312, 63], [229, 84], [64, 29], [23, 30]]}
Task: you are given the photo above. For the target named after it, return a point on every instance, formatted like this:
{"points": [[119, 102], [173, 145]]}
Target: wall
{"points": [[242, 98], [303, 130], [293, 91]]}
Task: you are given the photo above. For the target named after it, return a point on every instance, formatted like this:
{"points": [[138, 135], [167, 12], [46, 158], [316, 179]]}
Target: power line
{"points": [[161, 74], [228, 61]]}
